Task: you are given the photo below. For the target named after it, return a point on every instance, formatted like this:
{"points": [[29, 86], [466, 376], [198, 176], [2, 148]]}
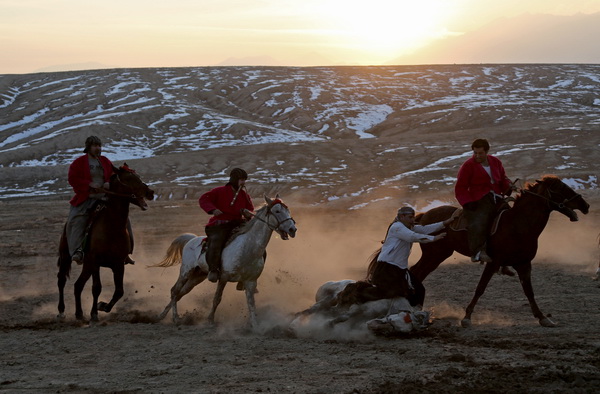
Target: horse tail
{"points": [[372, 264], [174, 253]]}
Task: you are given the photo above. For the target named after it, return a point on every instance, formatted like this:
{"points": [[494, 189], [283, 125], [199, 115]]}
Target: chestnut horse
{"points": [[108, 242], [515, 241]]}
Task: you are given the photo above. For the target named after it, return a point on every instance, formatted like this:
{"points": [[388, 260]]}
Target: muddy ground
{"points": [[505, 350]]}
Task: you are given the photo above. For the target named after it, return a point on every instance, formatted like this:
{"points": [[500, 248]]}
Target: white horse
{"points": [[242, 258], [382, 316]]}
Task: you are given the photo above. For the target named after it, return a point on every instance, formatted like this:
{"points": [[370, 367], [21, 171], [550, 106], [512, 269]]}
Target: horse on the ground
{"points": [[107, 244], [515, 241], [343, 303], [242, 258]]}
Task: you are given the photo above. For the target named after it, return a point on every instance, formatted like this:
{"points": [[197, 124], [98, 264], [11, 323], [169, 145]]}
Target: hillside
{"points": [[351, 136]]}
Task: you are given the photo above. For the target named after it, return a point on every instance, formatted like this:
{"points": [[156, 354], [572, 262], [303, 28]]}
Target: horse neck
{"points": [[531, 215], [118, 210], [260, 231]]}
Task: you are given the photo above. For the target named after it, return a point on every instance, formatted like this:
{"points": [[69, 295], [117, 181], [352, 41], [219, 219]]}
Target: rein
{"points": [[559, 205], [124, 195], [279, 223]]}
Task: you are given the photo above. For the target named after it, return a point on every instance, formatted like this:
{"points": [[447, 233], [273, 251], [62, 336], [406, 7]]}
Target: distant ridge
{"points": [[527, 38]]}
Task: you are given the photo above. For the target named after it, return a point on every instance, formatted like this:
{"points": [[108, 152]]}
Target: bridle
{"points": [[124, 195], [279, 223], [550, 201]]}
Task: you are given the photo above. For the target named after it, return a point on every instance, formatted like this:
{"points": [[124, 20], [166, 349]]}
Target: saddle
{"points": [[460, 223]]}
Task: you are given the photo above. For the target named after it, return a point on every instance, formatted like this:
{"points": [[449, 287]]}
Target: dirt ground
{"points": [[505, 350]]}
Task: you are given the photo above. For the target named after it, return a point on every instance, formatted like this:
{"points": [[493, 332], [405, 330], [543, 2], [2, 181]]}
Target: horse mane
{"points": [[531, 186], [244, 228]]}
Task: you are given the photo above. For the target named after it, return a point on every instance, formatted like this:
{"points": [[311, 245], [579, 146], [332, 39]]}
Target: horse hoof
{"points": [[465, 323], [60, 317], [546, 322], [103, 306]]}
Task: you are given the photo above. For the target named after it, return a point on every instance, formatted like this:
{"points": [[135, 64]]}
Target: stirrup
{"points": [[214, 275], [77, 257]]}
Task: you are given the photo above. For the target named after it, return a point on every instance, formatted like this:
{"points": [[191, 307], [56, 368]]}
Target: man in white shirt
{"points": [[391, 275]]}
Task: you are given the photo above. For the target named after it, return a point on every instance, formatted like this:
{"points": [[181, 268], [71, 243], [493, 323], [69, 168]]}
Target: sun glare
{"points": [[386, 27]]}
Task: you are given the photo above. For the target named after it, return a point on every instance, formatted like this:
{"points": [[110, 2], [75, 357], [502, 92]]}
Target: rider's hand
{"points": [[106, 186], [439, 236], [246, 213], [217, 212]]}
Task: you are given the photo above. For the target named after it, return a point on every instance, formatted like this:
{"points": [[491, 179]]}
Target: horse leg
{"points": [[64, 268], [487, 274], [96, 290], [118, 273], [86, 272], [250, 290], [524, 271], [184, 285], [432, 256], [216, 300]]}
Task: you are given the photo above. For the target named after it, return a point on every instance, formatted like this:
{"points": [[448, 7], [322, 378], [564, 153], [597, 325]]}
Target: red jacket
{"points": [[220, 198], [473, 182], [80, 177]]}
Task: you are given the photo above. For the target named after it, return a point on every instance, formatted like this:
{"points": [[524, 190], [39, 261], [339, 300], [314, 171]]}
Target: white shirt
{"points": [[398, 243]]}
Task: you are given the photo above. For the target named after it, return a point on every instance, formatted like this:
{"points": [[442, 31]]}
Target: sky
{"points": [[37, 34]]}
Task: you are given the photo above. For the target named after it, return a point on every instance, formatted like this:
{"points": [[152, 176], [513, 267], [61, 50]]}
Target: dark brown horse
{"points": [[108, 242], [514, 243]]}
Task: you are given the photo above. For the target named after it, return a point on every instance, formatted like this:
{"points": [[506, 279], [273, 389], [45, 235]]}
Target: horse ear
{"points": [[268, 200], [277, 196]]}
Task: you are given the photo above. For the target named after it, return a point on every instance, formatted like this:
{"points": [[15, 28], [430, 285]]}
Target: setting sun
{"points": [[386, 27]]}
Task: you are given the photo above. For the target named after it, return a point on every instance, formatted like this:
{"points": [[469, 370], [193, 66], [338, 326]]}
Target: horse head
{"points": [[125, 182], [286, 225], [561, 197]]}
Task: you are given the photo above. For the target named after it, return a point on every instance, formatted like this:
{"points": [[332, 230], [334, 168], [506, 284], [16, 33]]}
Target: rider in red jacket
{"points": [[226, 204], [89, 176], [480, 185]]}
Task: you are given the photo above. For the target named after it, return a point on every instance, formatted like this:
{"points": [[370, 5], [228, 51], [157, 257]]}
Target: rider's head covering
{"points": [[236, 174], [406, 211], [91, 140]]}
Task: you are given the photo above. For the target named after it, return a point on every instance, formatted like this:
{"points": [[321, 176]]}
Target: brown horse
{"points": [[515, 241], [108, 242]]}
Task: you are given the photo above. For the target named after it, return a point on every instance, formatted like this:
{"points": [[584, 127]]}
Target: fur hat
{"points": [[236, 174], [91, 140]]}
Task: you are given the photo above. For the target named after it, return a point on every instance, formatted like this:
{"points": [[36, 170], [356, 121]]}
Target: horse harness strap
{"points": [[560, 205], [279, 223]]}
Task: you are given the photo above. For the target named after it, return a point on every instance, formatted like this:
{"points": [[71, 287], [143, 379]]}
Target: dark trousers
{"points": [[480, 216], [218, 235], [390, 282]]}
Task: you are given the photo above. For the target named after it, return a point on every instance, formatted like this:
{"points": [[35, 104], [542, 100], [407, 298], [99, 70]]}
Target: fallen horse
{"points": [[339, 306]]}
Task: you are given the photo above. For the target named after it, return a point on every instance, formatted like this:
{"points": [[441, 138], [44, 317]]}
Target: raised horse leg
{"points": [[524, 271], [250, 290], [216, 300], [430, 259], [488, 272], [118, 273], [184, 285]]}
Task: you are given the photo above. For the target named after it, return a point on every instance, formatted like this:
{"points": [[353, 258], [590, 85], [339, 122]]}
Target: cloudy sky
{"points": [[37, 34]]}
